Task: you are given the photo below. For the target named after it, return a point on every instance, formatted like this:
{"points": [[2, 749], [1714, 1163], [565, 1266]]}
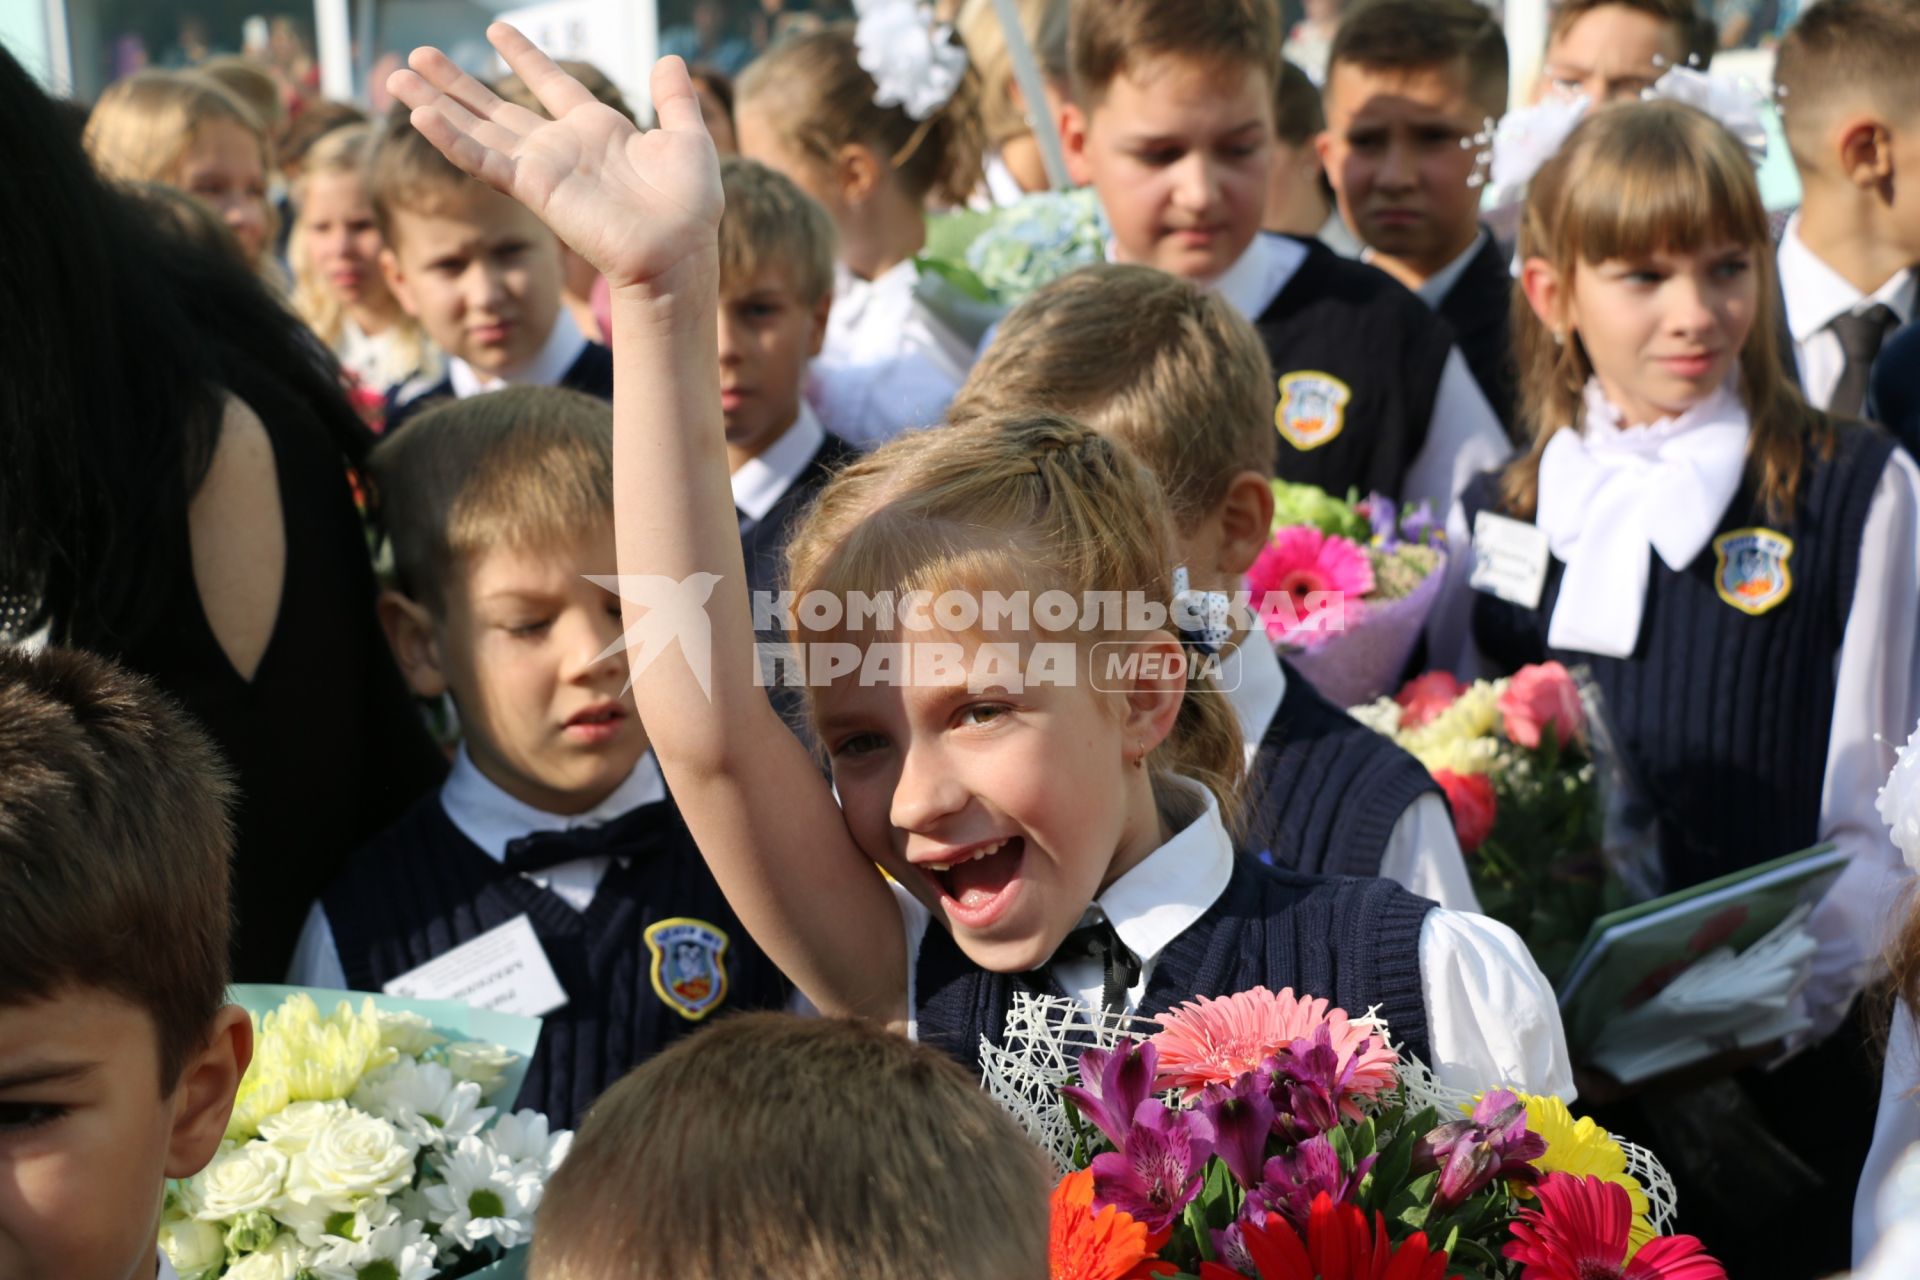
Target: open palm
{"points": [[636, 205]]}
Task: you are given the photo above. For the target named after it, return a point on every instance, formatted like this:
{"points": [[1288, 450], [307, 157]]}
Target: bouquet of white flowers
{"points": [[365, 1145]]}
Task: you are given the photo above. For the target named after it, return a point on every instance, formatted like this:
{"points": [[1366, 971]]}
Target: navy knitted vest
{"points": [[423, 888], [1325, 790], [1329, 333], [591, 372], [1355, 942], [1724, 716]]}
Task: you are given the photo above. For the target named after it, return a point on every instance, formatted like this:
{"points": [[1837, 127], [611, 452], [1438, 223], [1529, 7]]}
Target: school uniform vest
{"points": [[1893, 393], [1355, 942], [1479, 307], [1359, 360], [765, 541], [634, 981], [591, 372], [1724, 714], [1325, 791]]}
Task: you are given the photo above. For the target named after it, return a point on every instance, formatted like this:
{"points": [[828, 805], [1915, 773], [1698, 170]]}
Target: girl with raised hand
{"points": [[1066, 838]]}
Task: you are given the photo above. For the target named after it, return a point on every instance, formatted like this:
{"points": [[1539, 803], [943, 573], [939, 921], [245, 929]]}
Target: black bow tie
{"points": [[633, 834], [1119, 967]]}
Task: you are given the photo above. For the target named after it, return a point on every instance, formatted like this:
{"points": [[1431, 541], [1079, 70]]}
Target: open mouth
{"points": [[976, 887], [595, 724]]}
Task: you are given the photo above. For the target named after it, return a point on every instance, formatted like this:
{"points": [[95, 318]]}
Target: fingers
{"points": [[557, 91], [440, 72], [674, 101], [436, 124]]}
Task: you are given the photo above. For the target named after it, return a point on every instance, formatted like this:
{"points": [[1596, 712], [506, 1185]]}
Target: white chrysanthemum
{"points": [[352, 1157], [239, 1180], [292, 1129], [476, 1060], [1382, 715], [195, 1248], [284, 1259], [319, 1225], [404, 1247], [483, 1198], [1899, 801], [524, 1138], [408, 1033], [424, 1101]]}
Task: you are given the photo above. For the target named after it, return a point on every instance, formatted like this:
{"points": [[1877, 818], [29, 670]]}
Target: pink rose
{"points": [[1424, 697], [1539, 697], [1470, 796]]}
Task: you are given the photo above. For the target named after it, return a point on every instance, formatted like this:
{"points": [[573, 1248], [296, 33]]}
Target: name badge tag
{"points": [[504, 969], [1509, 559]]}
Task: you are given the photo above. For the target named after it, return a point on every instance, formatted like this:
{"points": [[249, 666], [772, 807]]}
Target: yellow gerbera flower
{"points": [[1581, 1147]]}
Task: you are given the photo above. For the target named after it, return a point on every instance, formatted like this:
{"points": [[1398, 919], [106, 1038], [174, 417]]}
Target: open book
{"points": [[1712, 968]]}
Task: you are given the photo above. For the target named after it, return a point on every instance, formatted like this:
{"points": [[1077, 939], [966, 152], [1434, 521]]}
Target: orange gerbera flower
{"points": [[1109, 1245]]}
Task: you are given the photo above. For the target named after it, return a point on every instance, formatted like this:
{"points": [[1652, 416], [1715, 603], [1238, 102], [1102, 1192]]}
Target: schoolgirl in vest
{"points": [[895, 349], [1040, 831], [1737, 570]]}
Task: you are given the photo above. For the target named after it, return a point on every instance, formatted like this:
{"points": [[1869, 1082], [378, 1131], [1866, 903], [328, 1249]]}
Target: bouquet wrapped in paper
{"points": [[1344, 588], [1274, 1137], [369, 1140]]}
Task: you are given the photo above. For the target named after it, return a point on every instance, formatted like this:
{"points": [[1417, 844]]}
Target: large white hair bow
{"points": [[1899, 801], [914, 62]]}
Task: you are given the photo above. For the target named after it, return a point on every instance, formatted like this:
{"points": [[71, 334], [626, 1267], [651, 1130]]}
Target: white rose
{"points": [[482, 1063], [194, 1248], [238, 1181], [284, 1259], [353, 1156], [409, 1033], [293, 1128]]}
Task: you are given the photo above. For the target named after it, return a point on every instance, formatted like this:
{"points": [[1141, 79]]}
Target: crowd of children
{"points": [[1662, 398]]}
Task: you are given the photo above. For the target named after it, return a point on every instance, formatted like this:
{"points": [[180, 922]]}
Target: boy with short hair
{"points": [[1181, 378], [1851, 109], [554, 836], [119, 1058], [481, 275], [1613, 50], [1299, 199], [1411, 86], [831, 1129], [1172, 123]]}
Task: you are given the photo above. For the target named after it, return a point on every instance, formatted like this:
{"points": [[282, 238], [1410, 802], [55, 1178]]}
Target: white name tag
{"points": [[504, 969], [1509, 559]]}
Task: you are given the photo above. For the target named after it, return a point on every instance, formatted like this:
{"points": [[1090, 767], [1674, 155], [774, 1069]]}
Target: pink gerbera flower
{"points": [[1215, 1041], [1323, 576]]}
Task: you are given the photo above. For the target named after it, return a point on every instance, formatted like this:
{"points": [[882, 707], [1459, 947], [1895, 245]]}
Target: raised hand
{"points": [[636, 205]]}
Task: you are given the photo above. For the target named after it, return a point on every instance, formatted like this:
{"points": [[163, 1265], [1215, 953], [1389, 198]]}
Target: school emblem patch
{"points": [[1751, 570], [1313, 408], [689, 965]]}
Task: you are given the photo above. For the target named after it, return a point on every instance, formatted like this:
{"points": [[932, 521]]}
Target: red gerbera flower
{"points": [[1340, 1245], [1579, 1232]]}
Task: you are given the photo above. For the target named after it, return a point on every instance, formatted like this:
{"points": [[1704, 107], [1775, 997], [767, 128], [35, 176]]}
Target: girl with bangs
{"points": [[1737, 569], [1067, 838]]}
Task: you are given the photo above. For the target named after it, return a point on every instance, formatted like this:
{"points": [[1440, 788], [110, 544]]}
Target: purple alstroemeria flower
{"points": [[1419, 526], [1384, 517], [1291, 1181], [1230, 1244], [1242, 1117], [1159, 1168], [1306, 1085], [1113, 1084], [1494, 1143]]}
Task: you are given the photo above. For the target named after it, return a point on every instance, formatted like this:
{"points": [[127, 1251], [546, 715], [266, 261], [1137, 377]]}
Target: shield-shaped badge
{"points": [[1751, 570], [1313, 408], [689, 965]]}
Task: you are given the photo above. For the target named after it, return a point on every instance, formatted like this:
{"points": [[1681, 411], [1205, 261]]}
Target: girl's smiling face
{"points": [[1005, 810]]}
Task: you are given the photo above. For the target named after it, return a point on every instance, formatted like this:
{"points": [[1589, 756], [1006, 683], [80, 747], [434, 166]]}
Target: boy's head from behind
{"points": [[776, 287], [1410, 84], [1172, 124], [478, 270], [855, 1154], [1170, 370], [1849, 76], [118, 1058], [1613, 50], [497, 507]]}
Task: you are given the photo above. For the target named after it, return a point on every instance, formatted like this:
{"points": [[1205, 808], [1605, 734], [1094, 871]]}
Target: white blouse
{"points": [[1896, 1131], [888, 364]]}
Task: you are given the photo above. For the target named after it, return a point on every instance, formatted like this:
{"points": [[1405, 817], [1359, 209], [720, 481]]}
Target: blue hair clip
{"points": [[1201, 617]]}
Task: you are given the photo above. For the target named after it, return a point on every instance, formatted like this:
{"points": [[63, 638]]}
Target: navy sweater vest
{"points": [[1329, 333], [1325, 790], [422, 888], [1480, 307], [1354, 942], [591, 372], [1724, 716]]}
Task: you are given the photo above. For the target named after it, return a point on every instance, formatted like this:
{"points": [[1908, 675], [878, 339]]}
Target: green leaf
{"points": [[1195, 1218]]}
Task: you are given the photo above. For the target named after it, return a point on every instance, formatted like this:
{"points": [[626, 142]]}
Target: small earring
{"points": [[1559, 337], [1140, 755]]}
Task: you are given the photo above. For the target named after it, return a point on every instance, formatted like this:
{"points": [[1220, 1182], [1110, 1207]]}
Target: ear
{"points": [[411, 635], [818, 337], [1245, 515], [1545, 292], [397, 282], [1153, 694], [202, 1100], [858, 171], [1323, 151], [1074, 123], [1865, 147]]}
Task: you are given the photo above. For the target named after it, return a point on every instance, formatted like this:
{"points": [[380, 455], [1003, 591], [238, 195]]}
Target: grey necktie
{"points": [[1860, 334]]}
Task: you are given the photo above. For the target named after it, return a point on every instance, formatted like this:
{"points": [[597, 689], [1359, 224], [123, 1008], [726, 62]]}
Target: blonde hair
{"points": [[979, 25], [342, 152], [405, 171], [249, 80], [770, 220], [1170, 369], [807, 1149], [1634, 179], [530, 468], [812, 89], [1846, 51], [1031, 503], [1107, 37]]}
